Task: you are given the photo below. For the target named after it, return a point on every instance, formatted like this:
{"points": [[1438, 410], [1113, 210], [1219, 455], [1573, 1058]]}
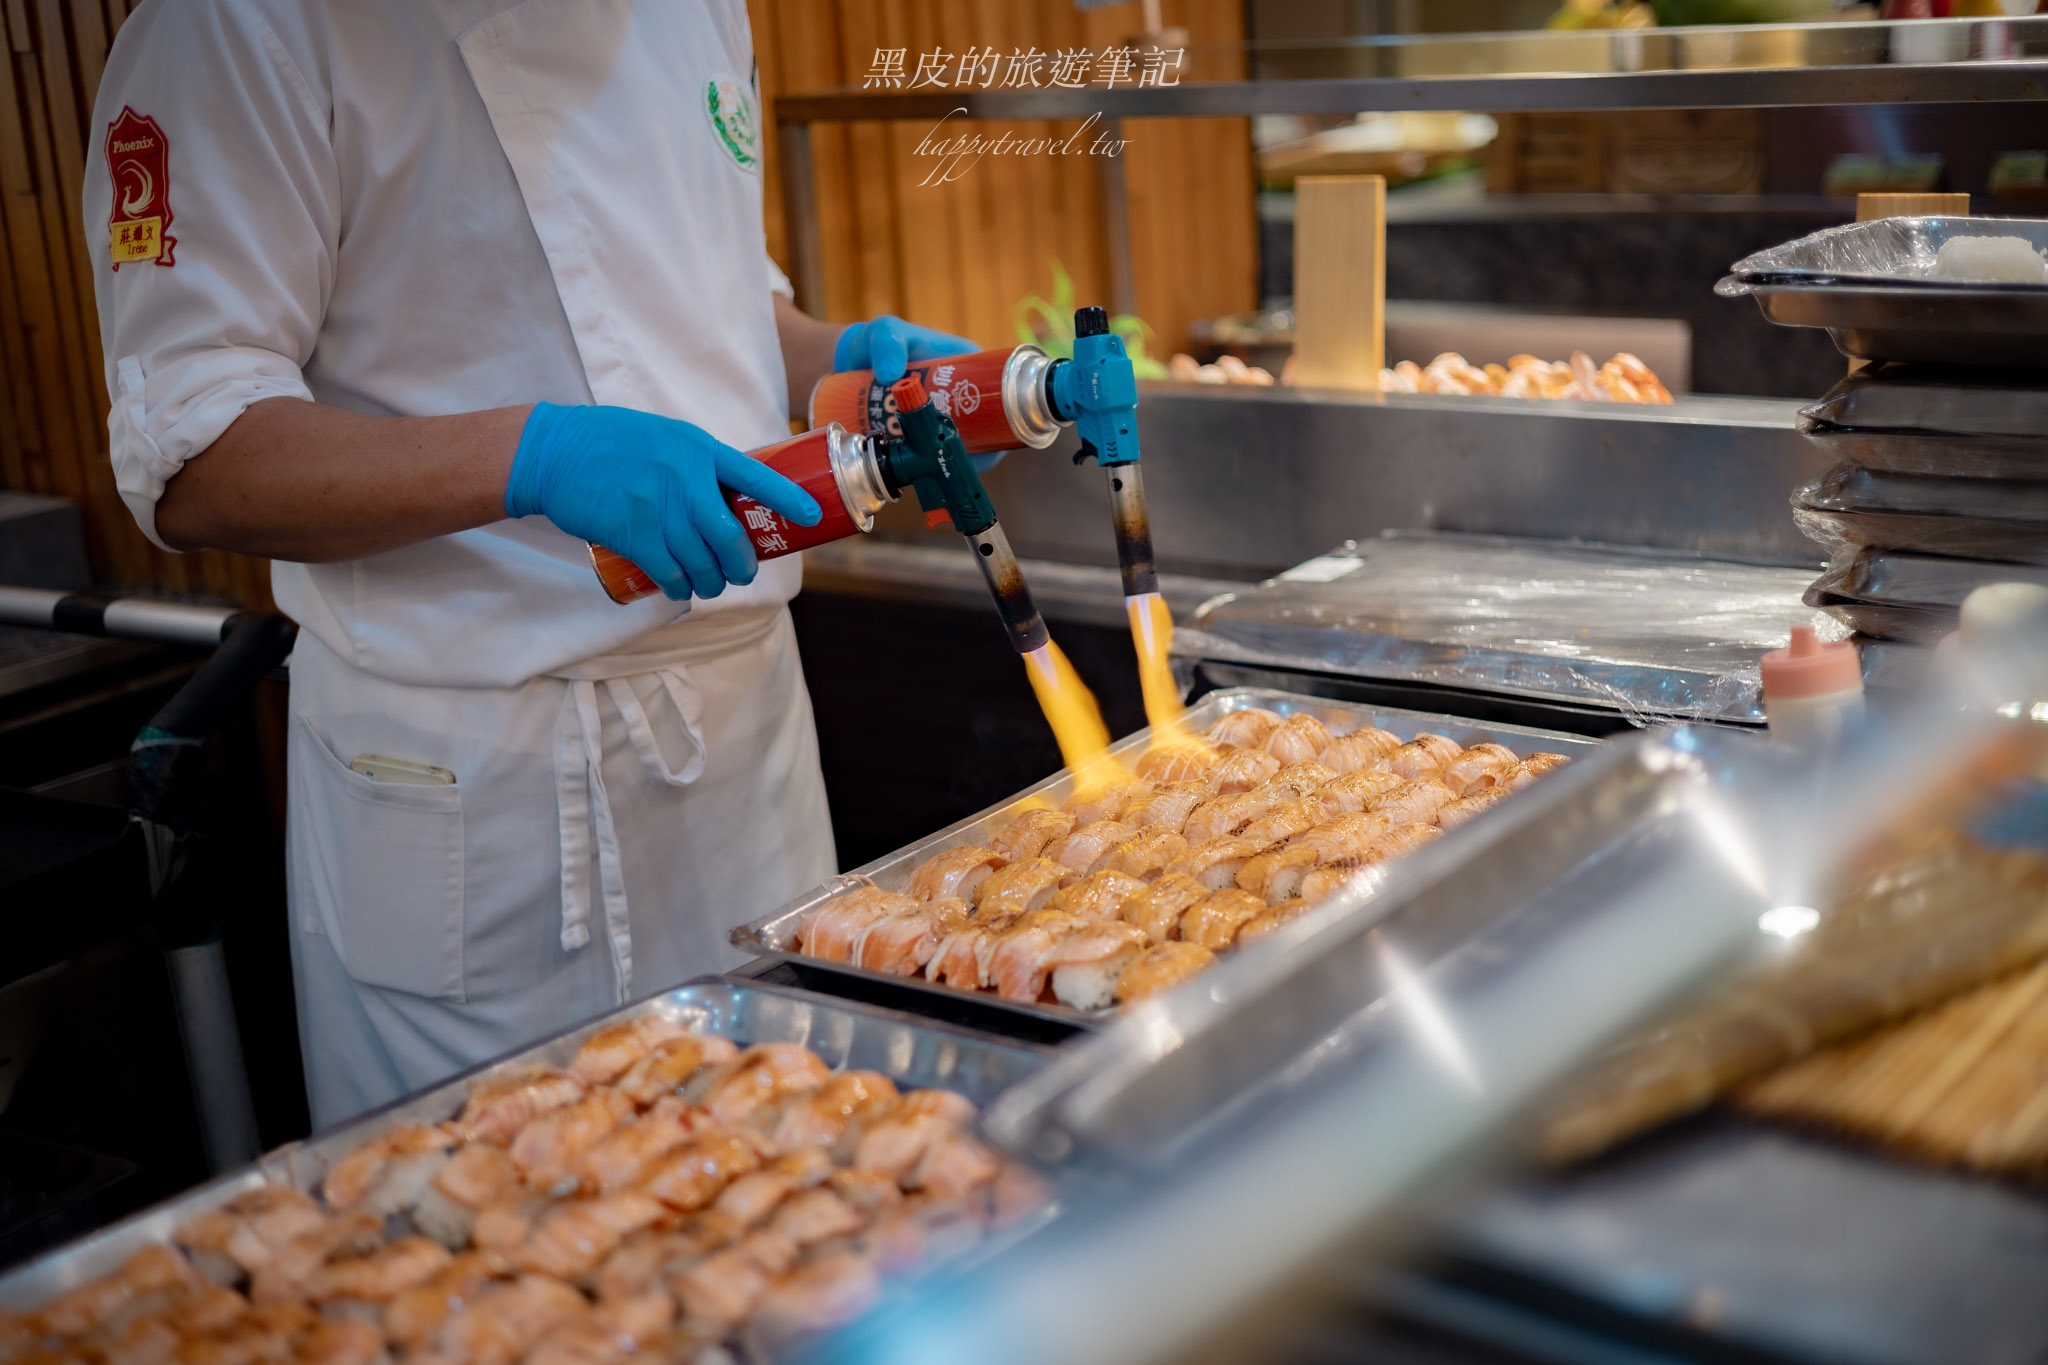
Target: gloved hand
{"points": [[887, 344], [647, 487]]}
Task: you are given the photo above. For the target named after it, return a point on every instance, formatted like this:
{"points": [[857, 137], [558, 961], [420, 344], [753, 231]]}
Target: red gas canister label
{"points": [[967, 388], [139, 164]]}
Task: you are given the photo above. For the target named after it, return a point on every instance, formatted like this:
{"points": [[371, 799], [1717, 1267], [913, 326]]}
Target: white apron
{"points": [[431, 206], [604, 833]]}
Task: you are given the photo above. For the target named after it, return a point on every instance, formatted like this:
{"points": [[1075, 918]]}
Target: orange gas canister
{"points": [[836, 466], [998, 399]]}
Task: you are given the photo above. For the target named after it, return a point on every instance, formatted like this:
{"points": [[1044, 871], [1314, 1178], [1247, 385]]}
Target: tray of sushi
{"points": [[720, 1172], [1064, 903]]}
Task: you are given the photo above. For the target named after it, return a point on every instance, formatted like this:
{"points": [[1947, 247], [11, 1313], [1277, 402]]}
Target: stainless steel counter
{"points": [[1245, 482]]}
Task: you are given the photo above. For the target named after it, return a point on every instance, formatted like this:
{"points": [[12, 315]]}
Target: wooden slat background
{"points": [[957, 256]]}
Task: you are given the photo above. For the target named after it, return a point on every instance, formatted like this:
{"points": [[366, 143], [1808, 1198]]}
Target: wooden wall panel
{"points": [[957, 256], [53, 403], [961, 255]]}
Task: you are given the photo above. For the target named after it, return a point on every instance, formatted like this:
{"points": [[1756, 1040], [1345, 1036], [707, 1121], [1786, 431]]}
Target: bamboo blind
{"points": [[957, 256]]}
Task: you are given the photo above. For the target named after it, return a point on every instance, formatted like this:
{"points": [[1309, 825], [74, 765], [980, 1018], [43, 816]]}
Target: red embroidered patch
{"points": [[139, 163]]}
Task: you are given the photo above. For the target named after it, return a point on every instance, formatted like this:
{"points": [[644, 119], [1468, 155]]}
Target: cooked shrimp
{"points": [[1303, 778], [691, 1178], [1327, 881], [867, 1191], [1089, 842], [150, 1279], [626, 1154], [1405, 839], [546, 1150], [1097, 895], [1158, 908], [1180, 760], [1215, 864], [958, 961], [1362, 748], [1026, 836], [954, 873], [1479, 766], [1025, 885], [1146, 855], [380, 1274], [901, 945], [762, 1075], [1457, 812], [830, 930], [1354, 790], [1246, 729], [1257, 928], [499, 1106], [752, 1197], [572, 1237], [1213, 923], [1161, 968], [264, 1334], [1531, 768], [1297, 738], [579, 1341], [608, 1053], [666, 1067], [1242, 770], [387, 1173], [1085, 964], [504, 1321], [1423, 756], [1104, 804]]}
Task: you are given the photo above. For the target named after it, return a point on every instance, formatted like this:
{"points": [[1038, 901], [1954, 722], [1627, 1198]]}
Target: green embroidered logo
{"points": [[732, 117]]}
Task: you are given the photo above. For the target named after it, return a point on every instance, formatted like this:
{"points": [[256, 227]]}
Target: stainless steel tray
{"points": [[1869, 284], [912, 1051], [1919, 452], [773, 934], [1936, 401]]}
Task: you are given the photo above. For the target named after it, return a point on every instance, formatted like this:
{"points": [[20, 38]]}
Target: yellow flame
{"points": [[1152, 635], [1075, 719]]}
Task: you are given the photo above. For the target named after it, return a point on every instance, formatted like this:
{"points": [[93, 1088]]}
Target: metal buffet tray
{"points": [[773, 934], [914, 1052], [1869, 285], [1907, 419]]}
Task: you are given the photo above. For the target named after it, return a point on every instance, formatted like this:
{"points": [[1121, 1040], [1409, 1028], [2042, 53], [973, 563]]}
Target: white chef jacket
{"points": [[415, 207], [437, 206]]}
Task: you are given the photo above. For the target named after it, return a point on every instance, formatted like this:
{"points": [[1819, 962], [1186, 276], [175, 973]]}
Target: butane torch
{"points": [[930, 458], [1098, 392]]}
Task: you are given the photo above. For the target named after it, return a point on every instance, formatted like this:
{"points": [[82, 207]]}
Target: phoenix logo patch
{"points": [[139, 163]]}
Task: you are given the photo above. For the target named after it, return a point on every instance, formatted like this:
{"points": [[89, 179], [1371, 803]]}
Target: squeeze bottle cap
{"points": [[1811, 667]]}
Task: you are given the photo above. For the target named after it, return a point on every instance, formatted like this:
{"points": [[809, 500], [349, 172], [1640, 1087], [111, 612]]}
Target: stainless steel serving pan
{"points": [[773, 935], [914, 1052], [1871, 286]]}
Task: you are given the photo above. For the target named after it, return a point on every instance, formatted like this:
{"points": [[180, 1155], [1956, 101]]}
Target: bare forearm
{"points": [[303, 481], [807, 346]]}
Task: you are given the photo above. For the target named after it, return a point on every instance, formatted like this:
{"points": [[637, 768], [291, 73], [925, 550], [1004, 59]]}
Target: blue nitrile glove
{"points": [[887, 344], [647, 487]]}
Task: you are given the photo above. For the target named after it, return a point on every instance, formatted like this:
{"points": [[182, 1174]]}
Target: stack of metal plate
{"points": [[1942, 488]]}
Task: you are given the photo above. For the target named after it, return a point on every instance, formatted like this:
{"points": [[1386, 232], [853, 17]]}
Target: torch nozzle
{"points": [[1133, 529], [1005, 577]]}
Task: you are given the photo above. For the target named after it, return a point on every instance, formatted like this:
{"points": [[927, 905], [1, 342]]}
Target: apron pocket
{"points": [[383, 864]]}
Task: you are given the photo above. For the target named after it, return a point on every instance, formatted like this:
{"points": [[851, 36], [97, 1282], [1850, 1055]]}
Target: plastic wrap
{"points": [[1991, 519], [1921, 453], [1891, 251], [1650, 635], [1871, 286], [1931, 420], [1898, 596]]}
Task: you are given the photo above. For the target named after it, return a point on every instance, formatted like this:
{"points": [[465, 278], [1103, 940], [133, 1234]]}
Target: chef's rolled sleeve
{"points": [[254, 202]]}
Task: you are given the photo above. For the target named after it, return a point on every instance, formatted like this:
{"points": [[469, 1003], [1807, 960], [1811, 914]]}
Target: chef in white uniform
{"points": [[416, 297]]}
